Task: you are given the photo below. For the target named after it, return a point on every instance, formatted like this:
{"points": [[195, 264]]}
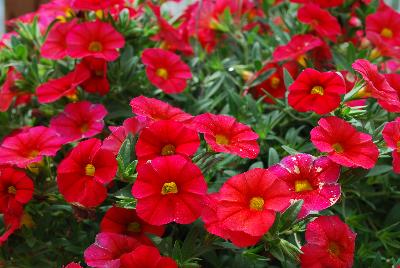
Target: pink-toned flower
{"points": [[95, 5], [146, 257], [9, 91], [55, 46], [391, 135]]}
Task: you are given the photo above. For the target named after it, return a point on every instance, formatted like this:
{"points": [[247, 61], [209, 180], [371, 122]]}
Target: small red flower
{"points": [[166, 70], [316, 91], [15, 188], [166, 137], [344, 144], [146, 257], [55, 46], [386, 24], [73, 265], [97, 39], [95, 5], [97, 82], [391, 135], [29, 146], [79, 120], [330, 243], [156, 110], [320, 20], [224, 134], [9, 91], [314, 180], [321, 3], [169, 189], [81, 176], [12, 221], [125, 221], [249, 201]]}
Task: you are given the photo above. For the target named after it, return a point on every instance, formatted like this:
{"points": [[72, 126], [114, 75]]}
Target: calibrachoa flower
{"points": [[95, 5], [330, 243], [169, 189], [344, 144], [29, 146], [79, 120], [12, 221], [166, 70], [311, 179], [55, 46], [391, 135], [146, 257], [97, 82], [316, 91], [9, 91], [321, 3], [125, 221], [73, 265], [385, 23], [156, 110], [82, 175], [249, 201], [15, 188], [97, 39], [224, 134], [166, 137], [108, 248]]}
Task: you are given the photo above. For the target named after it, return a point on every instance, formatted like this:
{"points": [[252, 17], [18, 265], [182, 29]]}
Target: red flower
{"points": [[391, 135], [97, 82], [12, 221], [169, 189], [125, 221], [146, 257], [248, 201], [73, 265], [9, 91], [344, 144], [316, 91], [81, 176], [166, 137], [55, 46], [386, 24], [97, 39], [320, 20], [30, 146], [95, 5], [321, 3], [296, 49], [108, 248], [65, 86], [330, 243], [156, 110], [166, 70], [313, 180], [15, 188], [224, 134], [79, 120]]}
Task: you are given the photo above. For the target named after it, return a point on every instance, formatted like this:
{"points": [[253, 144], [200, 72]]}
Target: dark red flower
{"points": [[55, 46], [97, 82], [82, 175], [169, 189], [146, 257], [316, 91], [330, 243], [224, 134], [344, 144], [391, 135], [12, 221]]}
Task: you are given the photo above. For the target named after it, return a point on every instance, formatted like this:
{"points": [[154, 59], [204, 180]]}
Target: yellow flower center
{"points": [[169, 188], [302, 185], [72, 97], [338, 148], [221, 139], [375, 53], [11, 190], [84, 128], [168, 149], [275, 81], [387, 33], [398, 146], [134, 227], [95, 46], [334, 248], [317, 90], [32, 154], [302, 60], [162, 72], [90, 170], [257, 203]]}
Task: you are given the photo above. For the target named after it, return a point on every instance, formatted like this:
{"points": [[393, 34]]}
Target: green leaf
{"points": [[273, 157]]}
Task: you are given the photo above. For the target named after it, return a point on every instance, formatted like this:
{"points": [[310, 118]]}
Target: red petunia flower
{"points": [[81, 176], [344, 144], [316, 91], [65, 86], [320, 20], [73, 265], [166, 137], [385, 24], [330, 243], [55, 46], [391, 135], [297, 48], [9, 91], [321, 3], [108, 248], [29, 146], [95, 5], [169, 189], [15, 188], [156, 110], [224, 134], [97, 82], [97, 39], [125, 221], [314, 180], [148, 257], [12, 221], [166, 70], [249, 201], [79, 120]]}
